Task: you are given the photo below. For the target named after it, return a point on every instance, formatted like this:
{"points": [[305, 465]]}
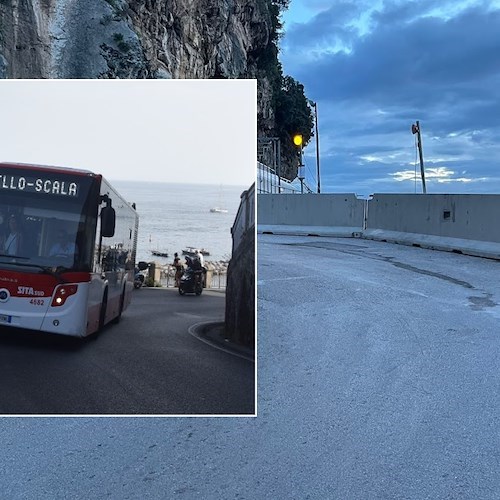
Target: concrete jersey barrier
{"points": [[466, 216], [462, 223], [465, 223], [341, 214]]}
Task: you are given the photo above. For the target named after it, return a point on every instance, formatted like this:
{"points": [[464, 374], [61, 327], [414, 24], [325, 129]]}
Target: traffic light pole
{"points": [[301, 176], [297, 140]]}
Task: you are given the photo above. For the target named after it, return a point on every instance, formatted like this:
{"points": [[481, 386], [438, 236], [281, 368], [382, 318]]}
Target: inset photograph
{"points": [[127, 247]]}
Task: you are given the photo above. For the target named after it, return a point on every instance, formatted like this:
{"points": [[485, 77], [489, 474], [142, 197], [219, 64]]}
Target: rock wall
{"points": [[143, 38]]}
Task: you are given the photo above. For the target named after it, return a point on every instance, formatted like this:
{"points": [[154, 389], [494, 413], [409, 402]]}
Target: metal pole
{"points": [[278, 143], [301, 172], [270, 178], [421, 157], [317, 142]]}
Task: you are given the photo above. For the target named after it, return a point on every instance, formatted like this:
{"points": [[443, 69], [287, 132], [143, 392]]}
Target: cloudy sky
{"points": [[374, 67], [194, 131]]}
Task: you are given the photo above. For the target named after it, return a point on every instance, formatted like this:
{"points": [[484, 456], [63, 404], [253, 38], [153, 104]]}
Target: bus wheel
{"points": [[102, 315], [122, 302]]}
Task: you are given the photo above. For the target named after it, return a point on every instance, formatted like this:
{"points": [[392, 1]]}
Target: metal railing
{"points": [[164, 275], [269, 182], [218, 277]]}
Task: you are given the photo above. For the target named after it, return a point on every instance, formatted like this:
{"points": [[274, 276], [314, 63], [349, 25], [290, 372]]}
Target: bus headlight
{"points": [[61, 294]]}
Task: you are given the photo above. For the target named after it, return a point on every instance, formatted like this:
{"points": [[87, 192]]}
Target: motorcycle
{"points": [[138, 280], [192, 279], [139, 276]]}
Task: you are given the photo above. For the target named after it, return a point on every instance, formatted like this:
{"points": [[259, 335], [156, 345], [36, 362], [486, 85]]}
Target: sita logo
{"points": [[27, 290]]}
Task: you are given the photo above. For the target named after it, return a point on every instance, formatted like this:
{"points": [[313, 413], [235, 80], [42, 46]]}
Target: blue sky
{"points": [[375, 67]]}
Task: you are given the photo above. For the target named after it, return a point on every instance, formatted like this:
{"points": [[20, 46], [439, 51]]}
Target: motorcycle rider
{"points": [[194, 273], [199, 255], [178, 269]]}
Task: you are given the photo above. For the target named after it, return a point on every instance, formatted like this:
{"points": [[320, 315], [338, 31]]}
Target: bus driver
{"points": [[13, 241], [63, 247]]}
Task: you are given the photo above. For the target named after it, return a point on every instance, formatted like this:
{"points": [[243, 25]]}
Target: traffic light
{"points": [[297, 140]]}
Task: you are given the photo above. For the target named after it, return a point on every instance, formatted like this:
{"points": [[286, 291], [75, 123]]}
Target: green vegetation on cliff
{"points": [[291, 110]]}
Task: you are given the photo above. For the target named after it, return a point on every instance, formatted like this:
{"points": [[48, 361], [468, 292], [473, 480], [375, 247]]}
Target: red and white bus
{"points": [[74, 293]]}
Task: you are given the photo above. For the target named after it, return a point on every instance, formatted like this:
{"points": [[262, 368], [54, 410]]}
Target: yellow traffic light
{"points": [[297, 139]]}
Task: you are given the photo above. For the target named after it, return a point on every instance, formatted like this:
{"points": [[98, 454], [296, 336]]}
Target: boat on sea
{"points": [[192, 250], [218, 208], [157, 253]]}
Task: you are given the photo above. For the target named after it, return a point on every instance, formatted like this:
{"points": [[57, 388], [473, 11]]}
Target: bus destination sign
{"points": [[38, 185]]}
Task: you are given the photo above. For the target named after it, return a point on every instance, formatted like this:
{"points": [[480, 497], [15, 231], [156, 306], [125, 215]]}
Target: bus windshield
{"points": [[49, 225]]}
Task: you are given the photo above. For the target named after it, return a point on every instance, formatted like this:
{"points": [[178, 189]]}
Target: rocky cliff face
{"points": [[136, 39]]}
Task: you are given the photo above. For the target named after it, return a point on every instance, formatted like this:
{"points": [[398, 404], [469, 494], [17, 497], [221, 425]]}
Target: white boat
{"points": [[218, 209]]}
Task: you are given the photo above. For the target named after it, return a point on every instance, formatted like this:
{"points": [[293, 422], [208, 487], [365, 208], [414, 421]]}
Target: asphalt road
{"points": [[377, 379], [147, 364]]}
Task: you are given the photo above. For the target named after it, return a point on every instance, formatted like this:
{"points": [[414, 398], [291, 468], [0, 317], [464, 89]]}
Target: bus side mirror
{"points": [[108, 221], [142, 266]]}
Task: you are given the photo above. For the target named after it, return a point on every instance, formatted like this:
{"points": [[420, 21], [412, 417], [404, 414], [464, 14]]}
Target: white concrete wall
{"points": [[334, 210], [471, 216]]}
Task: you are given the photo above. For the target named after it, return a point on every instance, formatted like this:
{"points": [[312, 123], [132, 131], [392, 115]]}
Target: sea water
{"points": [[173, 217]]}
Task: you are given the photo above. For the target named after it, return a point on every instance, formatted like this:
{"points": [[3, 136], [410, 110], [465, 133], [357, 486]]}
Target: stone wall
{"points": [[240, 294], [240, 290]]}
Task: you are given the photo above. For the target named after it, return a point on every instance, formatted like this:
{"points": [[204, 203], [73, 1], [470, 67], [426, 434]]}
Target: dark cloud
{"points": [[328, 26], [400, 63], [444, 72]]}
